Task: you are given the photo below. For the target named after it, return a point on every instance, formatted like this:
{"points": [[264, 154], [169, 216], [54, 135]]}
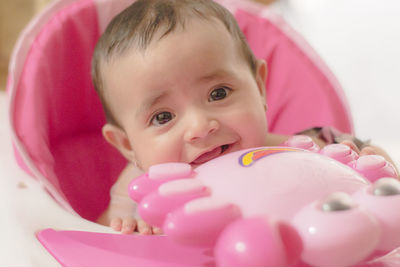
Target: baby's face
{"points": [[190, 97]]}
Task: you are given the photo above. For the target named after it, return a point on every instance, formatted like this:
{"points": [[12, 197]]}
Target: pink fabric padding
{"points": [[58, 116], [299, 95]]}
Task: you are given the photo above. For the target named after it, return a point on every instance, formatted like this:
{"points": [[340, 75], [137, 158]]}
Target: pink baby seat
{"points": [[56, 117]]}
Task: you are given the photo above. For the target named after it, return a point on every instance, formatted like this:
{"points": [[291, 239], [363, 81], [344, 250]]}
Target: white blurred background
{"points": [[360, 42]]}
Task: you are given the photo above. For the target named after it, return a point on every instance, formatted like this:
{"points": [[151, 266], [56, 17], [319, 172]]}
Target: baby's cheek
{"points": [[253, 130], [164, 154]]}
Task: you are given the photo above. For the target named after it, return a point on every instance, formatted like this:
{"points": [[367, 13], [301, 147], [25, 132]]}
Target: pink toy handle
{"points": [[157, 175], [339, 152], [199, 222], [373, 167], [303, 142], [154, 207]]}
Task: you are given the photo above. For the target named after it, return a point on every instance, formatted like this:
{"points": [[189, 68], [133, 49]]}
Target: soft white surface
{"points": [[360, 42], [358, 39], [25, 209]]}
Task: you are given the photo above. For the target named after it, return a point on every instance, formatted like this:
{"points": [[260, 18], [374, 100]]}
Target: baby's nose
{"points": [[200, 125]]}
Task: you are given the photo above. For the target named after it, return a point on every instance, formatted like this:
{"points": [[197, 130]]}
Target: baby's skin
{"points": [[120, 214]]}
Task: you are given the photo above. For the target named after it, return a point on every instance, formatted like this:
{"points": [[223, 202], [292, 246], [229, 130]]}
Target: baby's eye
{"points": [[219, 94], [161, 118]]}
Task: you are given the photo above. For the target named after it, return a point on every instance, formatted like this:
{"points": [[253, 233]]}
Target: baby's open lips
{"points": [[214, 153], [224, 148]]}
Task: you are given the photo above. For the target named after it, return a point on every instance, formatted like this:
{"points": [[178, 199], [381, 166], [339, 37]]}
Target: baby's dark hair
{"points": [[136, 26]]}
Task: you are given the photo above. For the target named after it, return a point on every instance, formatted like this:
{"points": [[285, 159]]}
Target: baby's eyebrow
{"points": [[215, 75], [150, 102]]}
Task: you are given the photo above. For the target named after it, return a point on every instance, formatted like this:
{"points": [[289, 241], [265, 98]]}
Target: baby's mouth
{"points": [[216, 152]]}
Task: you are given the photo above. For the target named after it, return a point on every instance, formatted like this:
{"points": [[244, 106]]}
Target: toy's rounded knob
{"points": [[336, 202], [258, 242], [336, 232], [302, 141], [373, 167], [339, 152], [382, 200], [370, 162], [386, 187], [140, 187]]}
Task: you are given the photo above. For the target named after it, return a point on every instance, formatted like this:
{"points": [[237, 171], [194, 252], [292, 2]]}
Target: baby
{"points": [[178, 83]]}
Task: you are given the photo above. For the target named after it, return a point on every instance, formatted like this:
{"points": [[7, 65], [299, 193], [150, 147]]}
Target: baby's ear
{"points": [[118, 139], [261, 75]]}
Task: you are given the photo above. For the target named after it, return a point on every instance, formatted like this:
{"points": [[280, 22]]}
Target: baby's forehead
{"points": [[159, 50], [164, 33], [185, 26]]}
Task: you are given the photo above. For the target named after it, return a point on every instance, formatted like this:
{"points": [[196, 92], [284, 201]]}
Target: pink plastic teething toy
{"points": [[278, 206]]}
